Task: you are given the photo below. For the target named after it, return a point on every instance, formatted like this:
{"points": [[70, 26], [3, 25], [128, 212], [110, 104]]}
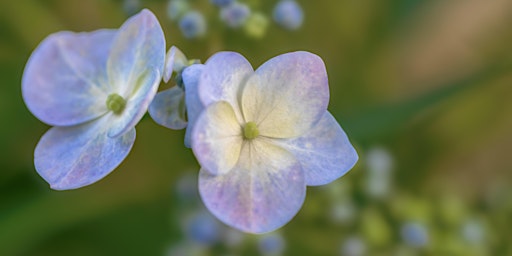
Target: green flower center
{"points": [[116, 103], [251, 130]]}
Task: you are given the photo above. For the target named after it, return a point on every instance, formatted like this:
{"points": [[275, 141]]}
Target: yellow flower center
{"points": [[116, 103], [251, 130]]}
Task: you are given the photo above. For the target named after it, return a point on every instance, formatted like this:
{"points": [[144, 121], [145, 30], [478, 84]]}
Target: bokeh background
{"points": [[422, 88]]}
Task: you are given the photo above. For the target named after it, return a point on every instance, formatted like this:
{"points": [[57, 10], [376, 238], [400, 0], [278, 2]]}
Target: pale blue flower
{"points": [[193, 25], [94, 87], [288, 14], [235, 15], [264, 136]]}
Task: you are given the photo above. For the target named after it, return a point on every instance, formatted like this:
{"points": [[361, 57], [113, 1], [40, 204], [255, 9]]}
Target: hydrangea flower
{"points": [[93, 87], [288, 14], [193, 25], [222, 3], [264, 136], [235, 15]]}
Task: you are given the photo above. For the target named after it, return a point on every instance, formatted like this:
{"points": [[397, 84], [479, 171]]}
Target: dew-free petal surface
{"points": [[286, 95], [137, 105], [223, 78], [216, 138], [191, 77], [324, 152], [76, 156], [260, 194], [138, 46], [175, 60], [65, 80], [168, 108]]}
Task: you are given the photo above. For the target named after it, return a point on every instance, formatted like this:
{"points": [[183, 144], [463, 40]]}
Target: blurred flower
{"points": [[222, 3], [176, 8], [378, 180], [264, 136], [343, 211], [233, 238], [235, 15], [353, 246], [288, 14], [271, 244], [94, 87], [131, 7], [203, 229], [414, 234], [256, 25], [193, 25], [473, 231], [186, 188]]}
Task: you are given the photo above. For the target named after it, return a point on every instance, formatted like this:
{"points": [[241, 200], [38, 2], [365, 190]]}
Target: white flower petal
{"points": [[137, 105], [65, 81], [260, 194], [324, 152], [223, 78], [76, 156], [175, 60], [216, 138], [139, 45], [286, 95]]}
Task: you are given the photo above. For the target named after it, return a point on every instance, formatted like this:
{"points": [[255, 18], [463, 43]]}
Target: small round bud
{"points": [[176, 8], [193, 25], [256, 25], [235, 15], [222, 3], [288, 14]]}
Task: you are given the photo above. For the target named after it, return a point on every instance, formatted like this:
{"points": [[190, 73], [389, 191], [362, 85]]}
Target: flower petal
{"points": [[76, 156], [168, 108], [216, 138], [191, 77], [222, 79], [139, 45], [324, 152], [65, 81], [175, 60], [137, 105], [260, 194], [286, 95]]}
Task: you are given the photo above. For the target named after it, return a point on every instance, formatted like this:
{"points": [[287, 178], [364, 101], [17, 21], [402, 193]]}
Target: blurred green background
{"points": [[422, 88]]}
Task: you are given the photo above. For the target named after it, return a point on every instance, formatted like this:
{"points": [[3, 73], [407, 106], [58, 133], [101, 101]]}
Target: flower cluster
{"points": [[260, 136], [236, 15]]}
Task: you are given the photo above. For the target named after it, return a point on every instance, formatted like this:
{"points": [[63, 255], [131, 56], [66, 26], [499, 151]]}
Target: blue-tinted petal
{"points": [[191, 77], [76, 156], [217, 138], [286, 95], [138, 46], [260, 194], [223, 78], [65, 81], [137, 104], [168, 108], [324, 152]]}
